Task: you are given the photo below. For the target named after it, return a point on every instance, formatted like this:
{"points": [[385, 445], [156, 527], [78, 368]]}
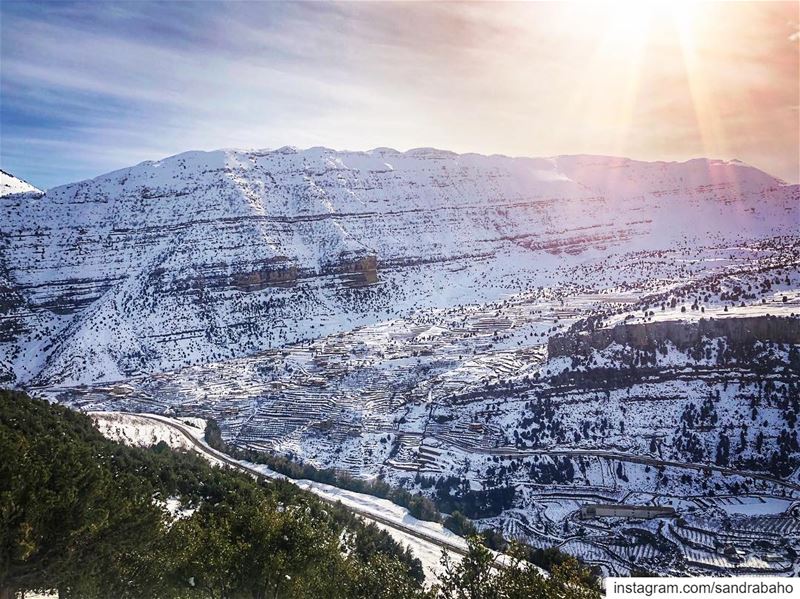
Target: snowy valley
{"points": [[516, 338]]}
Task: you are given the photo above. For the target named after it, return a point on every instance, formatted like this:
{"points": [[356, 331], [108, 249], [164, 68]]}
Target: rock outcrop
{"points": [[681, 334]]}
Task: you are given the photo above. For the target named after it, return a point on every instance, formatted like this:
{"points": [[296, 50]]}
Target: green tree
{"points": [[67, 520], [482, 575]]}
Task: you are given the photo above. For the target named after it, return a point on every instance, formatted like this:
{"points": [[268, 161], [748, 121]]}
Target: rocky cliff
{"points": [[681, 334]]}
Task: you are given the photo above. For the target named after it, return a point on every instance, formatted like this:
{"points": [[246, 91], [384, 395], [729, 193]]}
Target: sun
{"points": [[631, 21], [633, 39]]}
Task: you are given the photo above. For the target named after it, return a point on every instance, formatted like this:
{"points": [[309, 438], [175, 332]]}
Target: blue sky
{"points": [[91, 87]]}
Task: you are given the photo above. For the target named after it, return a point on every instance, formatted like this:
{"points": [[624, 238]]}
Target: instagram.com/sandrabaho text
{"points": [[706, 587]]}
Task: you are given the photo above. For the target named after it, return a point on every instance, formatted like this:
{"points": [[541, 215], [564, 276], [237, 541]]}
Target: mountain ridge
{"points": [[433, 152]]}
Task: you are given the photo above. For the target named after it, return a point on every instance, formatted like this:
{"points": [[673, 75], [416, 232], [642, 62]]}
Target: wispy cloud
{"points": [[89, 87]]}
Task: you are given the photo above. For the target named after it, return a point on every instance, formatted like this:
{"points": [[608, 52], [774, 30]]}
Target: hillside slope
{"points": [[208, 256], [9, 184]]}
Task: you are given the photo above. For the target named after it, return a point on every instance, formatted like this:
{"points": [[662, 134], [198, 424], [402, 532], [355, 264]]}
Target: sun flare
{"points": [[631, 21], [640, 37]]}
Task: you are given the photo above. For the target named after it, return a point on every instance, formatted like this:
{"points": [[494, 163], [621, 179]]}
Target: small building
{"points": [[733, 553], [621, 510]]}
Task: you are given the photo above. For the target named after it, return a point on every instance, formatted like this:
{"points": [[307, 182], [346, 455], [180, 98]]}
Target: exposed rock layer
{"points": [[739, 330]]}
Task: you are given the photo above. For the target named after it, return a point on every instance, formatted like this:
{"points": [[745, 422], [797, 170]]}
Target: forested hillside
{"points": [[91, 518]]}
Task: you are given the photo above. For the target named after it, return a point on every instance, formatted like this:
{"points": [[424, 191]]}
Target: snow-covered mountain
{"points": [[516, 338], [9, 184], [207, 256]]}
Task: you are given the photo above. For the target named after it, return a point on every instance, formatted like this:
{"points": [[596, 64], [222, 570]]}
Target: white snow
{"points": [[9, 185], [137, 431], [754, 506]]}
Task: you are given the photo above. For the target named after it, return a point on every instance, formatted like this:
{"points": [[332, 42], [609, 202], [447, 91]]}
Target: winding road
{"points": [[626, 457], [429, 541], [441, 542]]}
